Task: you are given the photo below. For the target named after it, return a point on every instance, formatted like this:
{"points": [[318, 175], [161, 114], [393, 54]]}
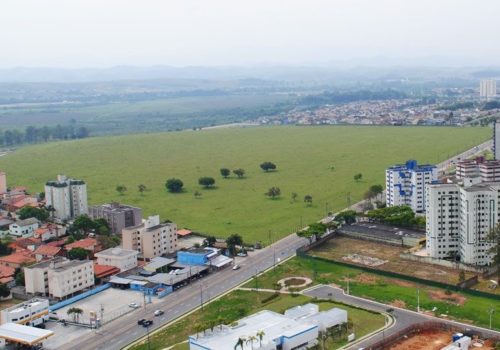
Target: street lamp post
{"points": [[418, 299], [201, 296], [491, 311], [147, 329]]}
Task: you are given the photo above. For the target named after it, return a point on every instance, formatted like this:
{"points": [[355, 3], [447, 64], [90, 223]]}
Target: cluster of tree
{"points": [[375, 191], [206, 181], [336, 97], [83, 225], [33, 134], [494, 104], [268, 166], [121, 189], [4, 249], [313, 232], [241, 341], [397, 215], [239, 172], [456, 106], [78, 254], [232, 241], [346, 216], [40, 214]]}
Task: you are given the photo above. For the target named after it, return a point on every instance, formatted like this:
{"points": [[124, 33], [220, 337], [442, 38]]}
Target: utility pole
{"points": [[491, 311], [274, 258], [326, 209], [256, 279], [147, 328], [201, 296], [418, 300], [348, 285], [102, 316], [348, 200]]}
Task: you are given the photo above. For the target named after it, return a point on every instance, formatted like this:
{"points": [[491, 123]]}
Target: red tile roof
{"points": [[24, 243], [47, 250], [17, 258], [59, 243], [183, 232], [86, 243], [6, 271], [105, 270]]}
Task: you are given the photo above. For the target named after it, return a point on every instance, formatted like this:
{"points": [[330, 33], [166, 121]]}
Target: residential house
{"points": [[24, 228]]}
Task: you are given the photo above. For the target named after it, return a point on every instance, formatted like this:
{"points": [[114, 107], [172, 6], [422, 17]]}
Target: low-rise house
{"points": [[7, 274], [102, 271], [59, 277], [31, 313], [18, 259], [89, 244], [49, 231], [45, 252], [21, 244], [123, 259], [24, 228]]}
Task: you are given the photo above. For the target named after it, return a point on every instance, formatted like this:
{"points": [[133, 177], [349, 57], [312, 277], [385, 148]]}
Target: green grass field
{"points": [[239, 304], [319, 161], [471, 308]]}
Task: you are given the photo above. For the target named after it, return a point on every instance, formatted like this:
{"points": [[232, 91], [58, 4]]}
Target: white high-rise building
{"points": [[487, 88], [405, 184], [459, 219], [67, 196]]}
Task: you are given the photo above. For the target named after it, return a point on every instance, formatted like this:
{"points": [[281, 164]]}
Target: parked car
{"points": [[243, 254], [158, 312], [141, 321], [236, 267], [133, 305]]}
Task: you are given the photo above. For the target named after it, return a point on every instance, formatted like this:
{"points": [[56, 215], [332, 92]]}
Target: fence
{"points": [[440, 262], [301, 252], [79, 297]]}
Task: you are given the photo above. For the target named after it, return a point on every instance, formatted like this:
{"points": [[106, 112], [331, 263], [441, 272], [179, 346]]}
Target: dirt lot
{"points": [[339, 247], [429, 340]]}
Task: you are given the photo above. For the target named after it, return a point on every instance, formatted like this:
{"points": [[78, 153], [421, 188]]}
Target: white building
{"points": [[59, 277], [405, 184], [24, 228], [459, 219], [298, 328], [151, 238], [31, 313], [121, 258], [67, 196], [487, 88]]}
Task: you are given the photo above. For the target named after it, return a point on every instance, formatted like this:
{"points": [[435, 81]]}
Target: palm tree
{"points": [[251, 339], [76, 312], [240, 342], [260, 335]]}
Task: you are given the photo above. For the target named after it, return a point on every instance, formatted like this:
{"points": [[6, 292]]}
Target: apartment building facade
{"points": [[123, 259], [117, 215], [405, 184], [151, 238], [59, 277], [459, 219], [487, 88], [67, 196]]}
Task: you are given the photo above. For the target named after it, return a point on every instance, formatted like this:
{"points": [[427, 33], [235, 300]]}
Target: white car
{"points": [[134, 305], [236, 267], [158, 312]]}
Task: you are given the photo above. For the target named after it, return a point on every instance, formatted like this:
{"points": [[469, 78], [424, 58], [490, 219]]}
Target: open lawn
{"points": [[238, 304], [319, 161], [461, 306]]}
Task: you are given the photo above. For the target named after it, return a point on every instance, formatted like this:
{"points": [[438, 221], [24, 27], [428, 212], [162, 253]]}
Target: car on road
{"points": [[236, 267], [147, 323], [242, 254], [158, 312], [141, 321], [133, 305]]}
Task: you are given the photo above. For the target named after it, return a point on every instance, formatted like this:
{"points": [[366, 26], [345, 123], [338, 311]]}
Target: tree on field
{"points": [[313, 231], [358, 177], [40, 214], [141, 188], [239, 172], [377, 190], [266, 166], [75, 312], [174, 185], [121, 189], [78, 254], [206, 181], [4, 290], [294, 196], [197, 194], [273, 192], [308, 199], [232, 241], [225, 172], [494, 238]]}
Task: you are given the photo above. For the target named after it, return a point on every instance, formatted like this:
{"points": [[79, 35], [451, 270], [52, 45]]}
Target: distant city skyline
{"points": [[91, 33]]}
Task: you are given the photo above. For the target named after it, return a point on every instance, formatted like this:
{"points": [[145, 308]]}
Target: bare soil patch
{"points": [[430, 340], [366, 279], [403, 283], [453, 298], [398, 303]]}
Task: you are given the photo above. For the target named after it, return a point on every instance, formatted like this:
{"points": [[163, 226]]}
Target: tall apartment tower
{"points": [[3, 182], [118, 216], [151, 238], [405, 184], [67, 196], [487, 88], [459, 218]]}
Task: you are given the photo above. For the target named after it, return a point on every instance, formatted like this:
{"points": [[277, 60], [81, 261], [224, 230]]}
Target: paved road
{"points": [[403, 318], [125, 330]]}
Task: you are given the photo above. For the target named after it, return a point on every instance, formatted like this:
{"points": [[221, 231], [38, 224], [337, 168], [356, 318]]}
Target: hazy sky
{"points": [[90, 33]]}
